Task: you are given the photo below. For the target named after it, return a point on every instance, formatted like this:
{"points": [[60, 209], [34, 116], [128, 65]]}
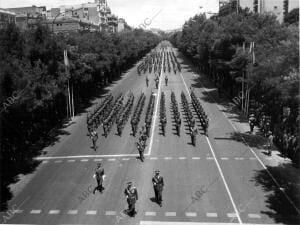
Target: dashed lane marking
{"points": [[91, 212], [97, 160], [231, 215], [46, 161], [17, 211], [125, 159], [85, 156], [111, 160], [110, 213], [209, 158], [170, 214], [57, 161], [72, 212], [168, 158], [254, 216], [35, 211], [224, 158], [150, 213], [181, 158], [71, 160], [237, 158], [84, 160], [52, 212], [212, 215], [253, 158], [153, 158], [191, 214], [195, 157]]}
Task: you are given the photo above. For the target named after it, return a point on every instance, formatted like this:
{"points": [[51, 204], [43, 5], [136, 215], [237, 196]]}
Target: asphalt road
{"points": [[224, 176]]}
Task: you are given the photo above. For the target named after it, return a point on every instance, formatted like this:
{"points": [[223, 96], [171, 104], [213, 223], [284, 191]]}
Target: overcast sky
{"points": [[164, 14]]}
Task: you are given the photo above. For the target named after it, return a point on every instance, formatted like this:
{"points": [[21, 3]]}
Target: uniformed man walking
{"points": [[140, 148], [147, 81], [131, 196], [94, 137], [99, 175], [158, 185], [166, 80], [193, 135]]}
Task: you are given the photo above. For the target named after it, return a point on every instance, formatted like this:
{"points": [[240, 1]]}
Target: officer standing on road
{"points": [[193, 135], [140, 148], [94, 137], [132, 196], [99, 175], [166, 80], [158, 185]]}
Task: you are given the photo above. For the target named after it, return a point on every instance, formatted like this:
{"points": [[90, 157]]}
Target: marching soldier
{"points": [[147, 81], [163, 125], [251, 122], [158, 185], [99, 175], [131, 196], [166, 80], [140, 148], [193, 135], [178, 124], [94, 137]]}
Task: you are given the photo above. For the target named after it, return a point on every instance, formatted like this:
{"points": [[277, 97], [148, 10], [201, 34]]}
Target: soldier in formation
{"points": [[135, 119], [163, 118], [131, 195], [124, 116]]}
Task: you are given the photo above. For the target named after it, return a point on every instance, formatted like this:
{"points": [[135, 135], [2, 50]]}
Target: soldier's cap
{"points": [[129, 183], [99, 164], [157, 171]]}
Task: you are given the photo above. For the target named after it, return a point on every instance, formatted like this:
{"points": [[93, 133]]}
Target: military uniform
{"points": [[94, 137], [158, 185], [132, 196], [99, 173]]}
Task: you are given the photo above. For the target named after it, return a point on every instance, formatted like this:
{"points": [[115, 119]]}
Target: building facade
{"points": [[277, 7], [6, 17]]}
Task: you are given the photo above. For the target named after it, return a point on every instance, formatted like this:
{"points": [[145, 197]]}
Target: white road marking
{"points": [[254, 216], [97, 160], [170, 213], [224, 158], [125, 159], [195, 157], [212, 215], [84, 160], [71, 160], [219, 168], [110, 213], [17, 211], [72, 212], [153, 158], [231, 215], [237, 158], [189, 223], [35, 211], [155, 112], [54, 212], [168, 158], [91, 212], [253, 158], [209, 158], [181, 158], [85, 156], [58, 161], [111, 159], [150, 213], [191, 214], [45, 161]]}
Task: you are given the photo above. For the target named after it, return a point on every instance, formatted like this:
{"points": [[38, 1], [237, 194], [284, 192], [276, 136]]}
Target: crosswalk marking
{"points": [[97, 160], [211, 214], [195, 157], [35, 211], [125, 159], [254, 216], [168, 158], [150, 213], [181, 158], [84, 160], [110, 213], [170, 214], [91, 212], [231, 215], [72, 212], [191, 214], [224, 158], [54, 211], [209, 158], [237, 158], [71, 160], [112, 159]]}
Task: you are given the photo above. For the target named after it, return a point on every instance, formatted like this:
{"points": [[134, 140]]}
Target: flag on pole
{"points": [[66, 60]]}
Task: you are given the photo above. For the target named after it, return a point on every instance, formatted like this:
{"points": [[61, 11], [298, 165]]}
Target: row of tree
{"points": [[33, 85], [238, 46]]}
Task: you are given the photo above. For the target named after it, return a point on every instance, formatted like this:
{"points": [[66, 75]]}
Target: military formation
{"points": [[149, 114], [113, 114], [124, 116], [135, 119], [190, 118], [200, 113], [176, 113], [162, 114]]}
